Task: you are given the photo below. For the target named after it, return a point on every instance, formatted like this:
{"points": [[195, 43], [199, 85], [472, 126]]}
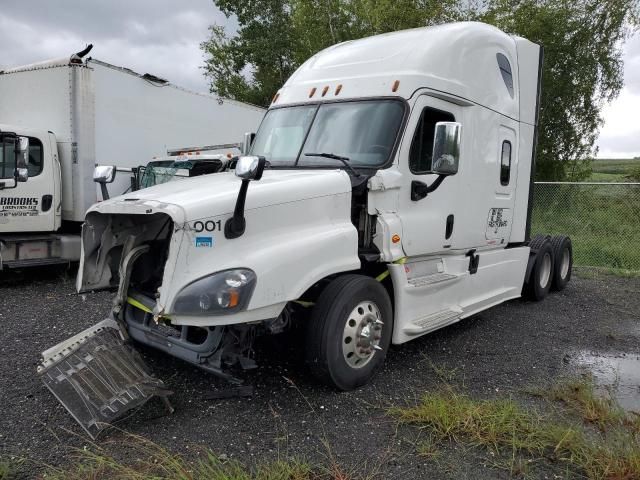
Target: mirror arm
{"points": [[234, 226], [105, 192], [420, 190]]}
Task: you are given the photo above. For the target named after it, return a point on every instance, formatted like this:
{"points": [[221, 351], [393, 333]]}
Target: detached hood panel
{"points": [[216, 194]]}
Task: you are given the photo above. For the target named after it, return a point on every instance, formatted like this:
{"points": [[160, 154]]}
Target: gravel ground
{"points": [[499, 352]]}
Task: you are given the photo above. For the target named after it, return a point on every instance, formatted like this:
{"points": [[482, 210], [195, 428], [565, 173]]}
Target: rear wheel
{"points": [[541, 276], [563, 257], [349, 332]]}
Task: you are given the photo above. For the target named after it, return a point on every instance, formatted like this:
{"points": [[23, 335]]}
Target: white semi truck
{"points": [[387, 194], [77, 113]]}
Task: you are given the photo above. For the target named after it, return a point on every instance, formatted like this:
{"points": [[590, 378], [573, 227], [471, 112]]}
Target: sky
{"points": [[163, 37]]}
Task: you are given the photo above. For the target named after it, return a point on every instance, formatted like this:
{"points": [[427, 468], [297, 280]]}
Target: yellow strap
{"points": [[385, 274], [137, 304], [304, 304], [382, 276]]}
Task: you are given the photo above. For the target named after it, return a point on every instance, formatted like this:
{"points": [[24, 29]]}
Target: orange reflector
{"points": [[312, 92], [234, 298], [395, 238], [325, 90], [396, 84], [338, 88], [275, 98]]}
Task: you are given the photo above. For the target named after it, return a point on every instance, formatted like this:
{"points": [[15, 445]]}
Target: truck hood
{"points": [[215, 194]]}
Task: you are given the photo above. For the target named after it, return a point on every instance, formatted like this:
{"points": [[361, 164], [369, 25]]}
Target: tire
{"points": [[336, 353], [563, 260], [541, 278]]}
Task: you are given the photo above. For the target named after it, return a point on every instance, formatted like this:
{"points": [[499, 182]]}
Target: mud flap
{"points": [[98, 377]]}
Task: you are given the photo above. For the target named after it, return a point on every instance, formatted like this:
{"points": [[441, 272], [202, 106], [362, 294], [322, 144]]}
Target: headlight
{"points": [[218, 294]]}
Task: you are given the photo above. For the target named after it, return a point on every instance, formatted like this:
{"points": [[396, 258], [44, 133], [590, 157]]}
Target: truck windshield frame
{"points": [[366, 130]]}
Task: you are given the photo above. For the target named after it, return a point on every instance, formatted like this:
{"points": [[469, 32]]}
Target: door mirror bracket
{"points": [[420, 190], [247, 169]]}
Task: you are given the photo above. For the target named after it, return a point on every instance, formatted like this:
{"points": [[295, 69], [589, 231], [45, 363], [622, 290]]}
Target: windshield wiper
{"points": [[333, 156]]}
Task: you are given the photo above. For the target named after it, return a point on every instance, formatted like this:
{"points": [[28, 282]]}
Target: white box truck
{"points": [[77, 114], [387, 194]]}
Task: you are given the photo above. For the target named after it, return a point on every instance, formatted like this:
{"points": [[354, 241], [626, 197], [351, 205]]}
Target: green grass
{"points": [[612, 170], [146, 460], [602, 221], [6, 469], [517, 438]]}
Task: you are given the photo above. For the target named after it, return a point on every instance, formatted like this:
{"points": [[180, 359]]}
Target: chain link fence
{"points": [[602, 219]]}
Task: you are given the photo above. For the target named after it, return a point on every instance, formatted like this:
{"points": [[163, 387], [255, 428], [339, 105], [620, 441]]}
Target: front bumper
{"points": [[200, 346]]}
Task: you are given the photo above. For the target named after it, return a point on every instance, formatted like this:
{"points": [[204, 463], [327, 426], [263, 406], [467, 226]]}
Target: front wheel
{"points": [[349, 332]]}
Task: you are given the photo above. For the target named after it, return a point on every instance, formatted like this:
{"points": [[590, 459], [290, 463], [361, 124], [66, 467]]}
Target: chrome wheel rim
{"points": [[362, 334], [545, 270], [564, 264]]}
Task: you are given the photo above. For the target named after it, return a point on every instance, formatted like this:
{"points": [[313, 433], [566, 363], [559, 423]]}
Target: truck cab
{"points": [[33, 205], [386, 195]]}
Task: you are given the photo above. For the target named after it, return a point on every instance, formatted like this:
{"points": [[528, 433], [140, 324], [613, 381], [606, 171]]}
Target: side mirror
{"points": [[250, 168], [22, 157], [247, 168], [446, 148], [22, 174], [104, 174], [249, 137]]}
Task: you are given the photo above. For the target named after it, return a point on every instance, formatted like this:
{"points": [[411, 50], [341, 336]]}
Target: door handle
{"points": [[449, 227]]}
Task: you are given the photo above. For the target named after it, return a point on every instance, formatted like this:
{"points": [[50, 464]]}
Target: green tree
{"points": [[583, 70], [582, 41]]}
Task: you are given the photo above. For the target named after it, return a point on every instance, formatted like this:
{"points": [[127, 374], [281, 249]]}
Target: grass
{"points": [[146, 460], [602, 221], [604, 412], [599, 272], [519, 439], [613, 170], [7, 469]]}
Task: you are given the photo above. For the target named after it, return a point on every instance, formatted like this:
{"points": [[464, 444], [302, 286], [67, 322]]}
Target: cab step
{"points": [[433, 321], [432, 279]]}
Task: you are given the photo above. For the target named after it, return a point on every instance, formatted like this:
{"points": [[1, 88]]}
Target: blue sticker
{"points": [[204, 242]]}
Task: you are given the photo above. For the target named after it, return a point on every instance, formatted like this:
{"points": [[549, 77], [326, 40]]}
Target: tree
{"points": [[583, 70], [582, 41]]}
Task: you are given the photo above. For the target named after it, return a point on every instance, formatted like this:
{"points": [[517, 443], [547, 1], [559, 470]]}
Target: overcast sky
{"points": [[163, 37]]}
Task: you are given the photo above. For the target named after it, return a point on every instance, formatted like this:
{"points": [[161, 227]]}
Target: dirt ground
{"points": [[592, 325]]}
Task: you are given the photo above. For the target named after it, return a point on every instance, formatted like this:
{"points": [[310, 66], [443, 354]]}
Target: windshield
{"points": [[364, 132]]}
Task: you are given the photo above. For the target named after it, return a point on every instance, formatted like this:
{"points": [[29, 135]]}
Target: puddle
{"points": [[616, 372]]}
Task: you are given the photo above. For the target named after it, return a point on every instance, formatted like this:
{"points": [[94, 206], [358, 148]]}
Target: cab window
{"points": [[8, 158], [421, 152], [505, 163]]}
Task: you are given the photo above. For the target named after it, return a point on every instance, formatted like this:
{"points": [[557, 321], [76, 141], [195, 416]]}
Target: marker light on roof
{"points": [[312, 92], [324, 90], [275, 98], [338, 88], [396, 84]]}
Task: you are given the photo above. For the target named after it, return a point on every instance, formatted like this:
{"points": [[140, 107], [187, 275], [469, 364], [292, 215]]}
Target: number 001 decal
{"points": [[208, 226]]}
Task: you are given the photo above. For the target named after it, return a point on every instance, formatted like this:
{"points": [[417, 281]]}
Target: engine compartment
{"points": [[108, 238]]}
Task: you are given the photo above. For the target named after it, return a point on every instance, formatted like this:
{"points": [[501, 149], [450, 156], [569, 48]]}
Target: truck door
{"points": [[430, 224], [500, 210], [31, 206]]}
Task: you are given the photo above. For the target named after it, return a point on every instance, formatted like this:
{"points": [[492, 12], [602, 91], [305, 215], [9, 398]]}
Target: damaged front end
{"points": [[97, 375]]}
